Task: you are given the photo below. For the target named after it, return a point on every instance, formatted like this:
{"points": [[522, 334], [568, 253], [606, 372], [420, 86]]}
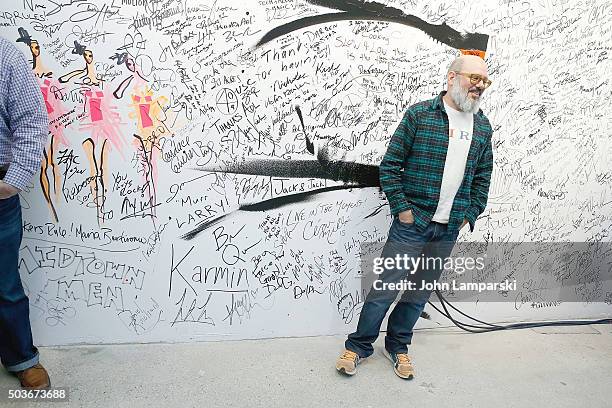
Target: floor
{"points": [[548, 367]]}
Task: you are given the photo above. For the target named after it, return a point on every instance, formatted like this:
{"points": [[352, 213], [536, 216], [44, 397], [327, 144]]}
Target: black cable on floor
{"points": [[493, 327]]}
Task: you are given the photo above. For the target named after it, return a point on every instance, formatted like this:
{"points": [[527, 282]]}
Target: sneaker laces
{"points": [[402, 358], [349, 355]]}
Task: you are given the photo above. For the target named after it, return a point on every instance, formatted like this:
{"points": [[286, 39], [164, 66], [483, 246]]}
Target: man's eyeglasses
{"points": [[476, 78]]}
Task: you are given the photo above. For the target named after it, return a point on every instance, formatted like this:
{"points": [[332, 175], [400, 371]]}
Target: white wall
{"points": [[216, 99]]}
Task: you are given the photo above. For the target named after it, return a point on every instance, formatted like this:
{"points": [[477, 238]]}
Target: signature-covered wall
{"points": [[211, 170]]}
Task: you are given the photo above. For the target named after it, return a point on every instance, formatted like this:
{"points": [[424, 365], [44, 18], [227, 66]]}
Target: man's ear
{"points": [[450, 76]]}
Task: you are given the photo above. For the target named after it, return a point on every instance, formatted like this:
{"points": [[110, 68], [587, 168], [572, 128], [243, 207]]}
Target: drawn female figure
{"points": [[103, 121], [88, 74], [130, 64], [55, 111], [39, 68], [37, 65], [150, 119]]}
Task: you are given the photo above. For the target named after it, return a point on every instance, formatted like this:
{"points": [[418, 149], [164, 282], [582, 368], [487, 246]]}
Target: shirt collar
{"points": [[437, 102]]}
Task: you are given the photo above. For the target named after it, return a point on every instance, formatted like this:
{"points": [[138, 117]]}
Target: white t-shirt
{"points": [[460, 128]]}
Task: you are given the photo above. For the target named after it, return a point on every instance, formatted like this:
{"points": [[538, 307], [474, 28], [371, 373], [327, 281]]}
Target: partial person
{"points": [[24, 127]]}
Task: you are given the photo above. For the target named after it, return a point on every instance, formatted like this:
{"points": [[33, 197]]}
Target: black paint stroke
{"points": [[362, 10], [362, 175], [275, 203], [202, 226], [354, 175], [267, 205], [376, 211], [309, 144]]}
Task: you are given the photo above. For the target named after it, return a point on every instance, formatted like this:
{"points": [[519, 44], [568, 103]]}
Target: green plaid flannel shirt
{"points": [[412, 168]]}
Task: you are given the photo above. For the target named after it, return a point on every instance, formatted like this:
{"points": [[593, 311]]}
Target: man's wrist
{"points": [[7, 190]]}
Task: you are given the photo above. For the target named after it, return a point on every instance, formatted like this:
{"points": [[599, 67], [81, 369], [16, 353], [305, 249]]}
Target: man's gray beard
{"points": [[462, 99]]}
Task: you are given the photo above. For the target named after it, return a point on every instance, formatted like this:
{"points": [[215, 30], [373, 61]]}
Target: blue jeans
{"points": [[435, 241], [17, 352]]}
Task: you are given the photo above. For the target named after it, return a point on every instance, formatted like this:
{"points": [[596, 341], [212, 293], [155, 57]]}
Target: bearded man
{"points": [[435, 174]]}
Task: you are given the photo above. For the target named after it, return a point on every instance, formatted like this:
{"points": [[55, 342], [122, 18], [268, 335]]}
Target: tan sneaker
{"points": [[401, 364], [347, 363], [34, 377]]}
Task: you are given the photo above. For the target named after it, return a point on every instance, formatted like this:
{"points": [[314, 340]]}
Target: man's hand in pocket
{"points": [[7, 191], [406, 217]]}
